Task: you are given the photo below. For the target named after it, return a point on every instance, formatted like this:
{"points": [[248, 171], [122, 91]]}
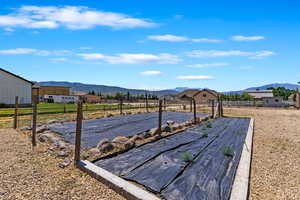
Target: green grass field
{"points": [[44, 108]]}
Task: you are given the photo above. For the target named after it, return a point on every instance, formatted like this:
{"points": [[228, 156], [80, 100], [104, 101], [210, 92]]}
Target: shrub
{"points": [[186, 157], [227, 151]]}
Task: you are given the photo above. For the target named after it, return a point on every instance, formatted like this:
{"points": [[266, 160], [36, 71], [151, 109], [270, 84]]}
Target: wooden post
{"points": [[16, 112], [147, 110], [78, 132], [159, 116], [195, 111], [191, 105], [213, 108], [121, 106], [34, 118], [221, 107]]}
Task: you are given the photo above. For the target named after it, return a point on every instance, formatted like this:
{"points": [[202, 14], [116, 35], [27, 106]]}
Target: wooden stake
{"points": [[121, 106], [159, 116], [147, 110], [16, 112], [34, 118], [195, 111], [213, 108], [78, 133]]}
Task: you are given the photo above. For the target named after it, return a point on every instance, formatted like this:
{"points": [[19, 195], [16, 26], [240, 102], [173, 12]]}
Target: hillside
{"points": [[104, 89]]}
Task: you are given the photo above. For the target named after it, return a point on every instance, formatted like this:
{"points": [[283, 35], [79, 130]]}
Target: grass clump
{"points": [[186, 157], [227, 151], [204, 134], [208, 124]]}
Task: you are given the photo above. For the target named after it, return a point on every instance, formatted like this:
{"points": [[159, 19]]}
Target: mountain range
{"points": [[104, 89]]}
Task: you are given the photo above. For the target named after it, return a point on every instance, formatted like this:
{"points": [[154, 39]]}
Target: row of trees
{"points": [[125, 96], [277, 92]]}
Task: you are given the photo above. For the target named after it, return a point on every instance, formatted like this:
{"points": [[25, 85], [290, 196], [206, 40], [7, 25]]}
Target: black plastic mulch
{"points": [[199, 163], [128, 125]]}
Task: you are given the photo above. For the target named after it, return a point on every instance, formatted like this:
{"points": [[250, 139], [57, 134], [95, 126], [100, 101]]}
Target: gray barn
{"points": [[12, 85]]}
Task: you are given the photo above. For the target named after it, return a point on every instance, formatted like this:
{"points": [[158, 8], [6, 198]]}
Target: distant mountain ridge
{"points": [[104, 89]]}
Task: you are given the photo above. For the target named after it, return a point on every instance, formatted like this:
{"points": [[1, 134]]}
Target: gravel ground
{"points": [[27, 174], [275, 172]]}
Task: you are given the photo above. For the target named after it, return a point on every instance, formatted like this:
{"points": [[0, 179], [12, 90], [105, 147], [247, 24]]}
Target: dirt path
{"points": [[35, 175], [275, 170]]}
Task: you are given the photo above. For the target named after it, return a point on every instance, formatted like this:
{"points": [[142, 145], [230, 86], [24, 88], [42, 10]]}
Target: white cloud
{"points": [[195, 77], [126, 58], [167, 37], [247, 38], [218, 53], [206, 40], [174, 38], [59, 59], [204, 65], [19, 51], [71, 17], [151, 73]]}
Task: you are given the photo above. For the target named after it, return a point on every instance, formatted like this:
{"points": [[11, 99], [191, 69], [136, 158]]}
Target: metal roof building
{"points": [[12, 85]]}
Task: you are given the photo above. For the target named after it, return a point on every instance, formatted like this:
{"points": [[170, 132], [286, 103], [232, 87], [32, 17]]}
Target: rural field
{"points": [[27, 174]]}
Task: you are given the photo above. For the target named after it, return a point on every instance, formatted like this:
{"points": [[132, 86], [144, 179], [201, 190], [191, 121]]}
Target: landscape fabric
{"points": [[198, 163], [94, 131]]}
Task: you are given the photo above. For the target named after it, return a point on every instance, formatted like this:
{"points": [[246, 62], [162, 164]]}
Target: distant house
{"points": [[200, 96], [12, 85], [88, 98], [273, 102], [260, 94], [187, 94], [60, 99], [206, 96]]}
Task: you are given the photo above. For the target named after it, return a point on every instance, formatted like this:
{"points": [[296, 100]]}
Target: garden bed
{"points": [[198, 163]]}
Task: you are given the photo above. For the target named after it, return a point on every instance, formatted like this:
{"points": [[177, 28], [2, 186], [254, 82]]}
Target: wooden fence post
{"points": [[34, 118], [213, 108], [191, 105], [147, 110], [121, 106], [16, 112], [78, 133], [195, 111], [159, 116]]}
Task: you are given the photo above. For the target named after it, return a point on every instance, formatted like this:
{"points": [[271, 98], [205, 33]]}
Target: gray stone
{"points": [[26, 128], [169, 122], [120, 139], [106, 147], [52, 121], [129, 144], [42, 128], [153, 131], [62, 154], [65, 163], [102, 142]]}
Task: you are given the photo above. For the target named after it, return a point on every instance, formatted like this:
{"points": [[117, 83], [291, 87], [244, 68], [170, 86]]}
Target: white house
{"points": [[260, 94], [12, 85], [60, 99]]}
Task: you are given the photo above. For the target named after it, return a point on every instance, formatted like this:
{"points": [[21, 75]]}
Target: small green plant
{"points": [[204, 134], [239, 133], [208, 124], [186, 157], [227, 151], [85, 155]]}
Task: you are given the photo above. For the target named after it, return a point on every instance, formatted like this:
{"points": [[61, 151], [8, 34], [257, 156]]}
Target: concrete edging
{"points": [[240, 188], [121, 186]]}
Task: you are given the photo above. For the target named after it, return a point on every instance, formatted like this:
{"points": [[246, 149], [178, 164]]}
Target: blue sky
{"points": [[223, 45]]}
